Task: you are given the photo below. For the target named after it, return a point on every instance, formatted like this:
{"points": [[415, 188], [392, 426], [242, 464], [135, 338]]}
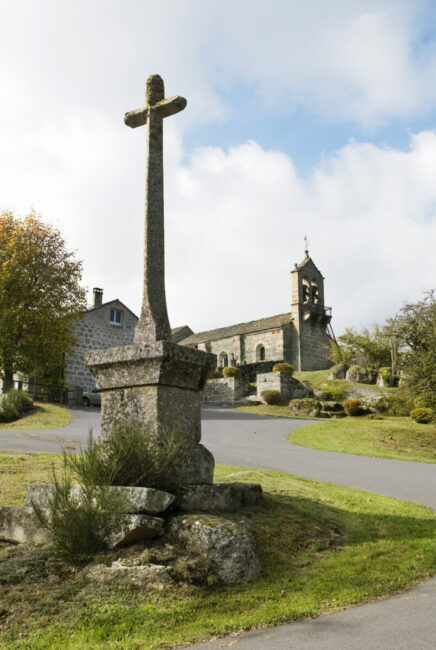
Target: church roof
{"points": [[272, 322]]}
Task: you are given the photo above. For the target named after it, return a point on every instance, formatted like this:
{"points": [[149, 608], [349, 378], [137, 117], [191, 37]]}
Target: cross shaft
{"points": [[153, 324]]}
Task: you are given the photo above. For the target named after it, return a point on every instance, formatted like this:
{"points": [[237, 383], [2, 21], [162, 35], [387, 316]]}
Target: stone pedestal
{"points": [[158, 386]]}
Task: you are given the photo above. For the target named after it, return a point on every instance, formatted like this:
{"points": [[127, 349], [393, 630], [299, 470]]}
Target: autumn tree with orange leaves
{"points": [[40, 297]]}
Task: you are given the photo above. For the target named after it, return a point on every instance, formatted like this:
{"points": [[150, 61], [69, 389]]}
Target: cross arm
{"points": [[136, 118], [169, 106]]}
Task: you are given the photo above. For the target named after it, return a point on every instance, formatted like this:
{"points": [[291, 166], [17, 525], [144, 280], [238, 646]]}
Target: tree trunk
{"points": [[8, 380]]}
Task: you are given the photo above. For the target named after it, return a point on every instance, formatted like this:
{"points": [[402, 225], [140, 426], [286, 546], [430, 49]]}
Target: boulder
{"points": [[360, 375], [339, 371], [218, 497], [305, 407], [21, 525], [135, 528], [227, 545], [152, 576], [137, 500]]}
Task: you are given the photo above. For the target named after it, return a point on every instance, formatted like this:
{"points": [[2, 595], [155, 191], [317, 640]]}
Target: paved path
{"points": [[403, 622]]}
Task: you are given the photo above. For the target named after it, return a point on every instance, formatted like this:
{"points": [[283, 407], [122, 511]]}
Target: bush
{"points": [[352, 407], [215, 374], [232, 371], [398, 403], [422, 415], [14, 404], [333, 392], [81, 522], [271, 396], [286, 368]]}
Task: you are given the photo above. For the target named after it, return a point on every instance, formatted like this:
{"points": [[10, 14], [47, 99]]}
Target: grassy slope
{"points": [[323, 547], [42, 416], [393, 437]]}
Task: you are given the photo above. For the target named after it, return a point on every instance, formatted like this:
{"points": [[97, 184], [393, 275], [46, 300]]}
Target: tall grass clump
{"points": [[83, 509]]}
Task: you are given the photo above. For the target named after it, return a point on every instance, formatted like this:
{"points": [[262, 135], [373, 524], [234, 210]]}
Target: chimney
{"points": [[98, 297]]}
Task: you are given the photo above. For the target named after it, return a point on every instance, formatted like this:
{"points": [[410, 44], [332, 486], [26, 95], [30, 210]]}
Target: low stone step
{"points": [[138, 499], [219, 497], [152, 576], [21, 525]]}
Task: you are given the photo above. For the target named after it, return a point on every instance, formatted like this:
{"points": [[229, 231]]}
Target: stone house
{"points": [[300, 337], [105, 325]]}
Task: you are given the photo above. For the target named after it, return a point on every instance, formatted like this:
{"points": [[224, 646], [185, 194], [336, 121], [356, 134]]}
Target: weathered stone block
{"points": [[151, 576], [218, 497], [339, 371], [135, 528], [228, 546], [138, 500], [21, 525]]}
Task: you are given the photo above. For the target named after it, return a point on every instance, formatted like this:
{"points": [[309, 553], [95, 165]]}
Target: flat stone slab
{"points": [[159, 363], [135, 528], [228, 546], [151, 576], [224, 497], [138, 500], [20, 525]]}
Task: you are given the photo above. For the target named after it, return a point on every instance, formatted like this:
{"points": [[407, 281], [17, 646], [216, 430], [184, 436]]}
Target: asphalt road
{"points": [[404, 622]]}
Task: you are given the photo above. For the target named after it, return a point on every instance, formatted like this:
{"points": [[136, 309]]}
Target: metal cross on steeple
{"points": [[153, 324], [306, 245]]}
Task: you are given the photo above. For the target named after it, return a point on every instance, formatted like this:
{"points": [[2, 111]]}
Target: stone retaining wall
{"points": [[224, 391]]}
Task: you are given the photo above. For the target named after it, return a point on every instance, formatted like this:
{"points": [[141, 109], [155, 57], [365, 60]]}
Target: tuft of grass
{"points": [[398, 438], [322, 547], [42, 416]]}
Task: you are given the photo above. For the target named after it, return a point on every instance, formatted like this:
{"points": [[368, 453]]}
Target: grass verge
{"points": [[393, 437], [42, 416], [322, 547]]}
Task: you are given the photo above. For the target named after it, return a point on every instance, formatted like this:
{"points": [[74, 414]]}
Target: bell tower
{"points": [[310, 316]]}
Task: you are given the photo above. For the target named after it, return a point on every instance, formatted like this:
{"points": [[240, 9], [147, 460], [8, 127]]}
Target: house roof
{"points": [[110, 302], [179, 333], [260, 325]]}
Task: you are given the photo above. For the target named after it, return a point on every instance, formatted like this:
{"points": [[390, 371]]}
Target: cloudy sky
{"points": [[312, 118]]}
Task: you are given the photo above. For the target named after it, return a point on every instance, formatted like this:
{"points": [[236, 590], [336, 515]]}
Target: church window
{"points": [[306, 290], [115, 317], [260, 353], [224, 360], [315, 292]]}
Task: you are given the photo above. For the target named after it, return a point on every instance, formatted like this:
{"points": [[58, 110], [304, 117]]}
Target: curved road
{"points": [[402, 622]]}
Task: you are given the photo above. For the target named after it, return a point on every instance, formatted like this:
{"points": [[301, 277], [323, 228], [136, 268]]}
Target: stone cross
{"points": [[153, 324]]}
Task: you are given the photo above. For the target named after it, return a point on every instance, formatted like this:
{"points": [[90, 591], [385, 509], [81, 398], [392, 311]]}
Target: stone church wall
{"points": [[272, 341], [315, 345], [95, 332]]}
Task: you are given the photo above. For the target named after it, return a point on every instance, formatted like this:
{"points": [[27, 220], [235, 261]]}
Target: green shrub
{"points": [[271, 396], [352, 407], [333, 392], [232, 371], [80, 523], [286, 368], [422, 415], [215, 374], [14, 404], [398, 402]]}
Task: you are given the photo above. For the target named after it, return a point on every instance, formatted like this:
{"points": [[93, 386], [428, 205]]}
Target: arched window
{"points": [[306, 290], [260, 353], [315, 292], [224, 360]]}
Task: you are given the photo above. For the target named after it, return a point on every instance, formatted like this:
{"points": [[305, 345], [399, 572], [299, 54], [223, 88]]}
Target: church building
{"points": [[300, 337]]}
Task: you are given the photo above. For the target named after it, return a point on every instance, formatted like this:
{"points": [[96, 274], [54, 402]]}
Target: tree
{"points": [[417, 324], [40, 296], [369, 348]]}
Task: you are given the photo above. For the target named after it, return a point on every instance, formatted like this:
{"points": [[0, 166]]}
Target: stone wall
{"points": [[288, 387], [95, 332], [314, 345], [224, 391]]}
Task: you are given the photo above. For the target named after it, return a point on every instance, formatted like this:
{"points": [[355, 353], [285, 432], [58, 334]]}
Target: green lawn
{"points": [[393, 437], [322, 547], [42, 416]]}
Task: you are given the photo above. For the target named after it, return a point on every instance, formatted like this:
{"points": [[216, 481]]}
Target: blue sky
{"points": [[314, 118]]}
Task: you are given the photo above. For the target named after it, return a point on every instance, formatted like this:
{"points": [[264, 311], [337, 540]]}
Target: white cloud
{"points": [[236, 221]]}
